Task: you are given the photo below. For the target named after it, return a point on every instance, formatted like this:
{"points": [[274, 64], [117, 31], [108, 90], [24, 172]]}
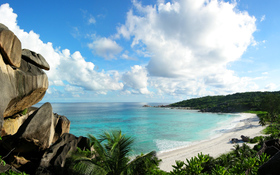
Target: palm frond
{"points": [[142, 163], [87, 167]]}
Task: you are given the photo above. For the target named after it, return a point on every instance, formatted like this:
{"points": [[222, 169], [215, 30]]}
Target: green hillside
{"points": [[238, 102]]}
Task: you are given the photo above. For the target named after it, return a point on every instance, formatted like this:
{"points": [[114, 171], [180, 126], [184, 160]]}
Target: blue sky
{"points": [[150, 50]]}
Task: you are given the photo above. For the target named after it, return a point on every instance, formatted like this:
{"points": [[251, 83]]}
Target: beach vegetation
{"points": [[111, 156], [242, 159], [256, 139], [194, 165], [273, 129]]}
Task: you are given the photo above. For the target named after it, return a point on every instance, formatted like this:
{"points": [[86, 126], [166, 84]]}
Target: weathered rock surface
{"points": [[3, 27], [271, 167], [39, 126], [22, 84], [35, 58], [28, 135], [54, 158], [12, 124], [62, 125], [21, 87], [35, 134], [10, 46], [270, 147]]}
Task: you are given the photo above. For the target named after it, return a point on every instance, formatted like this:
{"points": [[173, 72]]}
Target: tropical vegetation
{"points": [[110, 154], [111, 157], [238, 102]]}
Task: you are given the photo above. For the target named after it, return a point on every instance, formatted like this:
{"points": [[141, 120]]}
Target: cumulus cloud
{"points": [[190, 45], [105, 48], [137, 79], [191, 41], [65, 67], [78, 72]]}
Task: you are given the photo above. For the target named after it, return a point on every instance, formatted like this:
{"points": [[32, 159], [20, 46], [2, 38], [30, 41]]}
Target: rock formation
{"points": [[54, 158], [30, 134], [271, 166], [36, 59], [22, 83]]}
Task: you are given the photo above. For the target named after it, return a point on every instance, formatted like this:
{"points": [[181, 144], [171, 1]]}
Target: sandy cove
{"points": [[214, 147]]}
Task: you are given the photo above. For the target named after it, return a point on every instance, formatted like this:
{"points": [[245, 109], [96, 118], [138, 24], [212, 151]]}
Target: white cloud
{"points": [[136, 79], [126, 56], [263, 18], [271, 87], [91, 20], [72, 69], [190, 44], [70, 88], [105, 47], [75, 70], [191, 41]]}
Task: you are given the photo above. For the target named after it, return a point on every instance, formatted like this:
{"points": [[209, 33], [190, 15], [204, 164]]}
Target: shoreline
{"points": [[216, 146]]}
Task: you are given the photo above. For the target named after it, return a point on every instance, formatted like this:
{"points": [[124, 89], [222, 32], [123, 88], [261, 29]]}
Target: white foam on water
{"points": [[170, 145], [227, 126], [223, 127]]}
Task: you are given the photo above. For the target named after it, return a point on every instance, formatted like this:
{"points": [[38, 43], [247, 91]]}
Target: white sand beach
{"points": [[214, 147]]}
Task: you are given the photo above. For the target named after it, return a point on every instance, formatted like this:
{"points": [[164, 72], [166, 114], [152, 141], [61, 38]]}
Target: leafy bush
{"points": [[24, 111], [111, 156], [241, 160], [273, 129], [256, 139], [194, 165]]}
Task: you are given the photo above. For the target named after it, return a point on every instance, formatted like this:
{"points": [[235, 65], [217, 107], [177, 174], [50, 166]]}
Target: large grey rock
{"points": [[21, 83], [35, 134], [39, 126], [35, 58], [11, 125], [61, 125], [10, 46], [270, 147], [54, 158], [20, 88], [271, 167], [3, 27]]}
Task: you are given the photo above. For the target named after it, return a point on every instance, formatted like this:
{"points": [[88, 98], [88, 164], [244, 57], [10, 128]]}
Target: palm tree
{"points": [[111, 157]]}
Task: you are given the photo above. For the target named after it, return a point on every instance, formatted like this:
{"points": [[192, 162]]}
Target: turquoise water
{"points": [[158, 129]]}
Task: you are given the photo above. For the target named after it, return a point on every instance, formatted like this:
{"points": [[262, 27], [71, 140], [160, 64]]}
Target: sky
{"points": [[150, 50]]}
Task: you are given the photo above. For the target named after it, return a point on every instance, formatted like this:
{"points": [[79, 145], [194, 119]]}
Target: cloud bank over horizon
{"points": [[190, 45]]}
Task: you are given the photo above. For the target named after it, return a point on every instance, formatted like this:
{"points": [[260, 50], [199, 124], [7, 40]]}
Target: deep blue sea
{"points": [[159, 129]]}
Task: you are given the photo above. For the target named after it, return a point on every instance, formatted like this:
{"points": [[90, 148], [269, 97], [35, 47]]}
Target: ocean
{"points": [[154, 129]]}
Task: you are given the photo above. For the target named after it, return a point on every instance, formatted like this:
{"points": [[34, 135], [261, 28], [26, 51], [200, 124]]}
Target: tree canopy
{"points": [[237, 102]]}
